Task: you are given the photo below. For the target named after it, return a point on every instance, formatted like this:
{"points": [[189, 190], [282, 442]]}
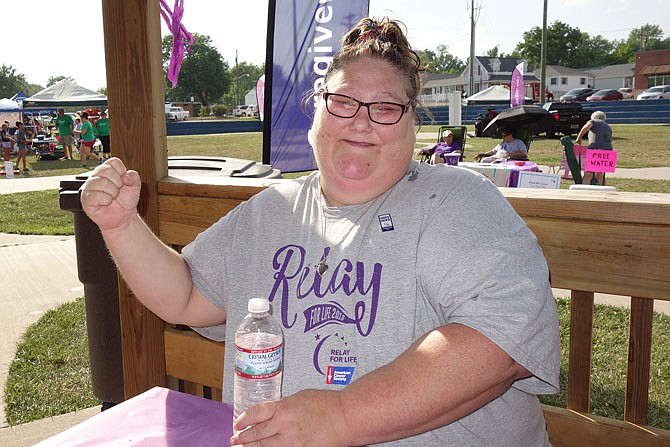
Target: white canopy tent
{"points": [[496, 94], [65, 93], [9, 111]]}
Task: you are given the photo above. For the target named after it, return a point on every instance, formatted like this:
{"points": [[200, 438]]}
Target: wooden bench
{"points": [[615, 243]]}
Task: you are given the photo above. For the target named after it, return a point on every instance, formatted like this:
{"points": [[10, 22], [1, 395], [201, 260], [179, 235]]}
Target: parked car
{"points": [[246, 110], [578, 94], [658, 92], [627, 92], [176, 114], [605, 95]]}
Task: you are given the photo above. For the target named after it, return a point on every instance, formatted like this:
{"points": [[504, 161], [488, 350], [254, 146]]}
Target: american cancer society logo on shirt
{"points": [[339, 375]]}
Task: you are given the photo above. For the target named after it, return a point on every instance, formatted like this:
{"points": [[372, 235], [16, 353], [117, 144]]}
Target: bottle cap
{"points": [[258, 305]]}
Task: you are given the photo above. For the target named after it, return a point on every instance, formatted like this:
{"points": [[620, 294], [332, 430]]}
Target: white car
{"points": [[246, 110], [658, 92], [176, 114]]}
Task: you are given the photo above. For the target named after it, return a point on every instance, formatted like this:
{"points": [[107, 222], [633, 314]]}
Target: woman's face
{"points": [[360, 159]]}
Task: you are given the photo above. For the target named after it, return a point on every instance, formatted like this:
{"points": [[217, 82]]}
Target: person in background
{"points": [[87, 134], [446, 146], [65, 127], [380, 346], [22, 141], [509, 148], [600, 137], [102, 130], [6, 142]]}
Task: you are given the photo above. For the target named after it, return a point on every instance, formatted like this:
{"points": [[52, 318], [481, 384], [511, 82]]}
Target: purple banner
{"points": [[517, 95], [306, 35], [320, 315]]}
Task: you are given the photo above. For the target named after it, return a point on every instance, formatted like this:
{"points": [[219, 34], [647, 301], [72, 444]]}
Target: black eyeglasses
{"points": [[381, 112]]}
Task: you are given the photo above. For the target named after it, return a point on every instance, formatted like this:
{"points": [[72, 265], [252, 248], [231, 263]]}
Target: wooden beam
{"points": [[579, 358], [137, 133], [569, 428], [639, 360]]}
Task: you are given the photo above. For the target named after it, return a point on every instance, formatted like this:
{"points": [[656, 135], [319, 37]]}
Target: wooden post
{"points": [[137, 132]]}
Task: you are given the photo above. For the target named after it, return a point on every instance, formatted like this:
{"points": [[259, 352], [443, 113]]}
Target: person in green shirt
{"points": [[102, 129], [65, 126], [87, 133]]}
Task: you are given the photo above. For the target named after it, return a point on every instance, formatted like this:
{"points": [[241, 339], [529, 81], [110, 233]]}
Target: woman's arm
{"points": [[448, 373], [157, 274], [585, 128]]}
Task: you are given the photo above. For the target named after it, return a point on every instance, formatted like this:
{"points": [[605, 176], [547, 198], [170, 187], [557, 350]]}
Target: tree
{"points": [[54, 79], [204, 74], [244, 77], [11, 82], [441, 61], [566, 46]]}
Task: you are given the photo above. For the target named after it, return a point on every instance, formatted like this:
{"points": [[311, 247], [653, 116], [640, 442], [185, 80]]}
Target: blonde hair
{"points": [[386, 40]]}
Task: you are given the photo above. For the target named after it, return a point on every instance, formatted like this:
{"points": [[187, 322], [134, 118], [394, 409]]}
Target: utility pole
{"points": [[473, 20], [543, 56]]}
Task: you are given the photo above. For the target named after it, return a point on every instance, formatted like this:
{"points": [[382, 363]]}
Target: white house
{"points": [[490, 71], [612, 76], [435, 86], [560, 79], [250, 97]]}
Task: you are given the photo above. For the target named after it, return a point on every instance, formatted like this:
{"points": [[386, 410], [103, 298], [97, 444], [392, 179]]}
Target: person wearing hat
{"points": [[446, 146], [509, 148]]}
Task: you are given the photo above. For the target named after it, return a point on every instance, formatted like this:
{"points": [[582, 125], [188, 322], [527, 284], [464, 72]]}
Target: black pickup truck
{"points": [[569, 117]]}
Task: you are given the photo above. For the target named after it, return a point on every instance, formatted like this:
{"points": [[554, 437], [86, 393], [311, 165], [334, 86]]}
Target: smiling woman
{"points": [[357, 234]]}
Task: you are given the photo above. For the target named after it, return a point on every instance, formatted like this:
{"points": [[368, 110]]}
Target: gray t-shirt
{"points": [[382, 292], [600, 135]]}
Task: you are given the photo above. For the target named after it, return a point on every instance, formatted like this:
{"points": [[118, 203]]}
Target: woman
{"points": [[6, 142], [87, 134], [600, 137], [380, 346], [22, 140]]}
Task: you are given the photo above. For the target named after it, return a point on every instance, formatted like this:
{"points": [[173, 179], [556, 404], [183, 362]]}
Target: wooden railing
{"points": [[608, 242]]}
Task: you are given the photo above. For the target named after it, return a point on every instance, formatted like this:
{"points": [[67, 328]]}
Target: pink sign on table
{"points": [[600, 160]]}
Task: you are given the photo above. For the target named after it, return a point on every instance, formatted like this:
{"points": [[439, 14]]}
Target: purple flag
{"points": [[307, 33], [517, 94]]}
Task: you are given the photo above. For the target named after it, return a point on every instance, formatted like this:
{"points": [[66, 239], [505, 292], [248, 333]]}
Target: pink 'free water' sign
{"points": [[600, 160]]}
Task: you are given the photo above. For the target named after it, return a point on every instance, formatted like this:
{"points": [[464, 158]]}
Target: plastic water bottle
{"points": [[259, 360]]}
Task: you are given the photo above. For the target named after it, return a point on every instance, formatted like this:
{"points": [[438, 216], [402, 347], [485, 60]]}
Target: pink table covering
{"points": [[155, 418]]}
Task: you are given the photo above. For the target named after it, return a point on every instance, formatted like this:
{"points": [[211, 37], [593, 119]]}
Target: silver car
{"points": [[658, 92]]}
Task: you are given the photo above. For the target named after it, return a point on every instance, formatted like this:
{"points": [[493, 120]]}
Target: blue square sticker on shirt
{"points": [[339, 375], [385, 222]]}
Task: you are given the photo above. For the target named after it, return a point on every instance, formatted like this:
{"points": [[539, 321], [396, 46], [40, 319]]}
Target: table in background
{"points": [[502, 174], [44, 146], [158, 417]]}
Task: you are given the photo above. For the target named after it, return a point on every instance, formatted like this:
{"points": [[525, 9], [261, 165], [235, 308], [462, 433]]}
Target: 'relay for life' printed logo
{"points": [[339, 375]]}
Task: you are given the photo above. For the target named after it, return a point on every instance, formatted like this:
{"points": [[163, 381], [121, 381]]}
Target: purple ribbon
{"points": [[179, 33]]}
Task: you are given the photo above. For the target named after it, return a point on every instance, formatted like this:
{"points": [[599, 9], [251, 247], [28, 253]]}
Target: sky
{"points": [[50, 39]]}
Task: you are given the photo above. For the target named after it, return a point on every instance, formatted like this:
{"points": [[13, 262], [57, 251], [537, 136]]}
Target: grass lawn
{"points": [[638, 146], [50, 372], [34, 212]]}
